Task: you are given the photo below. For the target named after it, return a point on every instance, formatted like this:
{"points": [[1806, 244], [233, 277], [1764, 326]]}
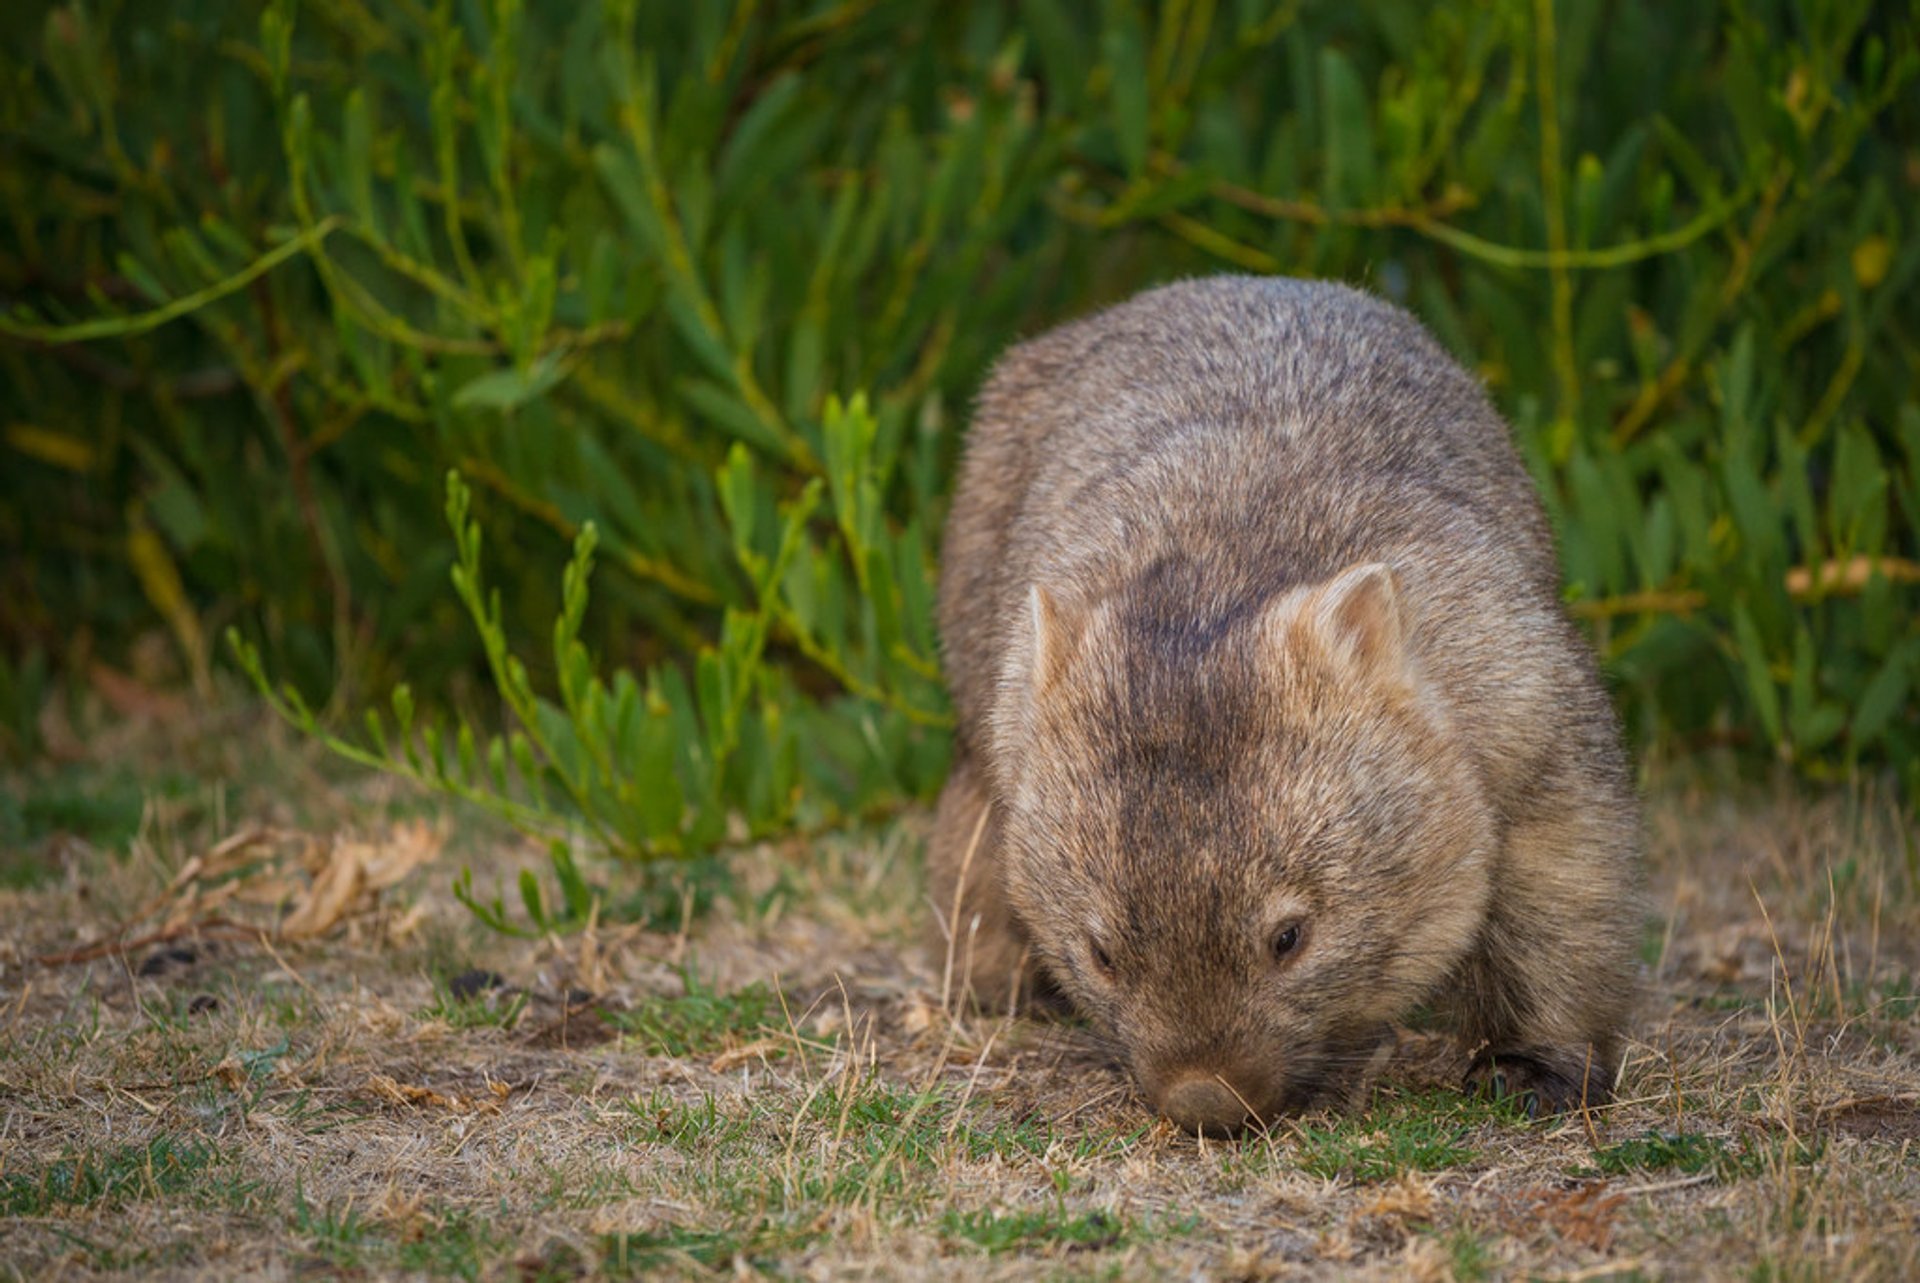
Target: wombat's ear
{"points": [[1357, 614]]}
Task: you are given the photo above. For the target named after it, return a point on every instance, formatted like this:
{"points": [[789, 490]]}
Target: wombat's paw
{"points": [[1543, 1081]]}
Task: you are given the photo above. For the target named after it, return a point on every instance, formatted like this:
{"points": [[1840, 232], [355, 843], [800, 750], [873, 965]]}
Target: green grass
{"points": [[1891, 1001], [1729, 1000], [1400, 1132], [1692, 1152], [663, 1119], [487, 1009], [863, 1139], [699, 1021], [439, 1241], [670, 894], [107, 1177], [449, 1244], [868, 1141], [1469, 1256], [1022, 1137], [337, 1233], [1686, 1152], [1018, 1231], [871, 1136], [760, 1244], [892, 1109], [103, 808]]}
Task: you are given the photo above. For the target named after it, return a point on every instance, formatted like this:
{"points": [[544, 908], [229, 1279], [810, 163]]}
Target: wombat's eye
{"points": [[1100, 958], [1285, 940]]}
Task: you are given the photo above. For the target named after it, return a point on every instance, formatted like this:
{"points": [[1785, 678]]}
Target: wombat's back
{"points": [[1228, 438]]}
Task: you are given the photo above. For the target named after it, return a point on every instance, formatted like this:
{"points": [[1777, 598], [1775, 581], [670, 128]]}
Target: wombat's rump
{"points": [[1271, 726]]}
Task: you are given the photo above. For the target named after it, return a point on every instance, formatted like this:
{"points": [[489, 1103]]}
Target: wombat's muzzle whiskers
{"points": [[1252, 1113]]}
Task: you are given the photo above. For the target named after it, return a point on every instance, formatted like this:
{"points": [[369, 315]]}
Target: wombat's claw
{"points": [[1533, 1083], [1492, 1085]]}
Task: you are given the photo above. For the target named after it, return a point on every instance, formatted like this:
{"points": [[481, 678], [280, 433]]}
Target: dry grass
{"points": [[773, 1087]]}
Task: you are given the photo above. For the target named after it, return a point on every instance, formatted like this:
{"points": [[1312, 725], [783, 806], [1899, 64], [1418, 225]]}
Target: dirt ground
{"points": [[246, 1030]]}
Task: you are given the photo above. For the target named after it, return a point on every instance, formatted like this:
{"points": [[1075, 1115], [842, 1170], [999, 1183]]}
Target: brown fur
{"points": [[1252, 621]]}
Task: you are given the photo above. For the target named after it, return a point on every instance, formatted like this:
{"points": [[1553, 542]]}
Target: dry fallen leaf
{"points": [[1584, 1215], [409, 1094], [406, 848], [406, 923], [238, 849], [335, 888], [349, 870]]}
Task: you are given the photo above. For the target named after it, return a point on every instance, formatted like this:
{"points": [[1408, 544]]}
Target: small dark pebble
{"points": [[1104, 1233], [469, 984], [203, 1002], [173, 958]]}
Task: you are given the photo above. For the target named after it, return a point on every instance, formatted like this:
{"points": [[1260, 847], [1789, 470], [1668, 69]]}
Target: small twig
{"points": [[1661, 1187], [266, 942], [226, 929], [1606, 1269], [1586, 1110], [1861, 1102]]}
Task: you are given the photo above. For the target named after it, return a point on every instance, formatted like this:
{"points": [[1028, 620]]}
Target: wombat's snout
{"points": [[1204, 1103]]}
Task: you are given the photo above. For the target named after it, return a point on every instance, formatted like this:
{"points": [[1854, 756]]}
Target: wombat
{"points": [[1271, 728]]}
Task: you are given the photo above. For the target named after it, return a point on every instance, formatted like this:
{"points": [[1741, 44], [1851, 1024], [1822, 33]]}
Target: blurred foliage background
{"points": [[701, 291]]}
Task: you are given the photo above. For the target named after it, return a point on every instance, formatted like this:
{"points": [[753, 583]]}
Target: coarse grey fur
{"points": [[1252, 622]]}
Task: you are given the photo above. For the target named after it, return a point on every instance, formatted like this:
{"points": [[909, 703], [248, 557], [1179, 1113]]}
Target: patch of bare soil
{"points": [[265, 1040]]}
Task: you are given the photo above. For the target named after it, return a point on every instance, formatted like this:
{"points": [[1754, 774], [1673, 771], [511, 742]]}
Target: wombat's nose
{"points": [[1202, 1103]]}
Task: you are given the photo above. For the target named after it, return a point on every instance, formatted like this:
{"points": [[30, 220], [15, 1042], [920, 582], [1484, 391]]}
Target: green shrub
{"points": [[272, 276]]}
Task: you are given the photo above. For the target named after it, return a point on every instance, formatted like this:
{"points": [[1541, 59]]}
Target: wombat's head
{"points": [[1242, 843]]}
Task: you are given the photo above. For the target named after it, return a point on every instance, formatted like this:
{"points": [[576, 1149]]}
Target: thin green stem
{"points": [[108, 327]]}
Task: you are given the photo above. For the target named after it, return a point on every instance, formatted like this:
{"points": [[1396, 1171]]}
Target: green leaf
{"points": [[1124, 41], [1885, 695], [356, 159], [532, 899], [573, 888], [510, 388], [1352, 176]]}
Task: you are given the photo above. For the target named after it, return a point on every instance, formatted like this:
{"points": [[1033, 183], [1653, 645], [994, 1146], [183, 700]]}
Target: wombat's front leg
{"points": [[1548, 990], [978, 946]]}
